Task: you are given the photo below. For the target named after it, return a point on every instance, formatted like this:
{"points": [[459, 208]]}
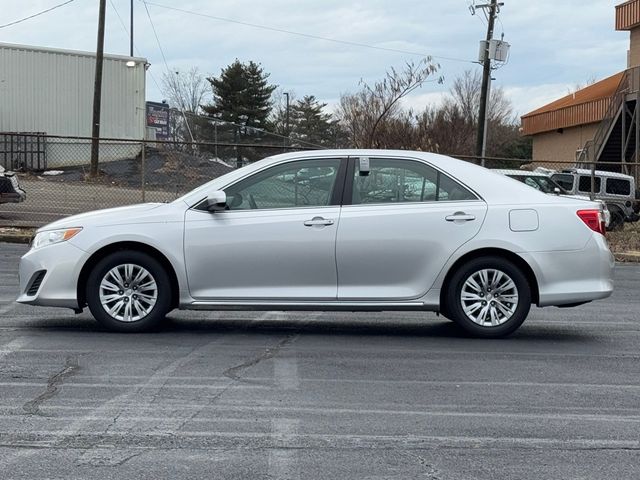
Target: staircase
{"points": [[614, 146]]}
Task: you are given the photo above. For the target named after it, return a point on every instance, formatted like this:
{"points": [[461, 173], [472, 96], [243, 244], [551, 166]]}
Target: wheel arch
{"points": [[494, 252], [121, 246]]}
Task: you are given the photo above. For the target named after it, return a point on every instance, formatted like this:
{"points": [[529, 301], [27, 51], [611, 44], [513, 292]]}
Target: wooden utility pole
{"points": [[481, 138], [97, 93], [131, 31]]}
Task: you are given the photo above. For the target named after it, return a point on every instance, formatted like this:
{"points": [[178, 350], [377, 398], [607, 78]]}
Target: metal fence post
{"points": [[142, 171]]}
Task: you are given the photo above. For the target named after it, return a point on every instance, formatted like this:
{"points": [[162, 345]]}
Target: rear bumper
{"points": [[16, 196], [580, 276]]}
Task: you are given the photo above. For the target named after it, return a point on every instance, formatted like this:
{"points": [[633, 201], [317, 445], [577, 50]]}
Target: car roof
{"points": [[527, 173], [599, 173]]}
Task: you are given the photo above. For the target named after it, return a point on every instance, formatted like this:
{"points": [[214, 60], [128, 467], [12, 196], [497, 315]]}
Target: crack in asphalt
{"points": [[71, 367], [235, 372]]}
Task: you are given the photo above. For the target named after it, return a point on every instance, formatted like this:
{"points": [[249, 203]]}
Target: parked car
{"points": [[542, 181], [617, 190], [353, 230], [10, 191]]}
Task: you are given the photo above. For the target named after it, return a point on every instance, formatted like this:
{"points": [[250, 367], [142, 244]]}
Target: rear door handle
{"points": [[460, 217], [318, 222]]}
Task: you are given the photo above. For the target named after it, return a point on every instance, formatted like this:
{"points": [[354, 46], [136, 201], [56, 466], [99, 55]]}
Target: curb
{"points": [[629, 257], [16, 235], [6, 238]]}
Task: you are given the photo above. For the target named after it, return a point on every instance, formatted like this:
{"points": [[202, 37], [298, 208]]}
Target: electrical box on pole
{"points": [[498, 50]]}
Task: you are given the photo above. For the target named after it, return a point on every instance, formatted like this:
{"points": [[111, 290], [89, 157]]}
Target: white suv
{"points": [[617, 190]]}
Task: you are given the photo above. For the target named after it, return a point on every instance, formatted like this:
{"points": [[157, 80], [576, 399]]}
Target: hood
{"points": [[141, 213]]}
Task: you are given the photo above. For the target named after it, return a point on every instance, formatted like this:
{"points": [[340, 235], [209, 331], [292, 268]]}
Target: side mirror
{"points": [[217, 201], [556, 190]]}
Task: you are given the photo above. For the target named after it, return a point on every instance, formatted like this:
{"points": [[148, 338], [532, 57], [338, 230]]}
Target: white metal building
{"points": [[50, 91]]}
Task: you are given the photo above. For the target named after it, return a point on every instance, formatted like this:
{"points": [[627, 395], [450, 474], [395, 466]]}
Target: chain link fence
{"points": [[54, 172]]}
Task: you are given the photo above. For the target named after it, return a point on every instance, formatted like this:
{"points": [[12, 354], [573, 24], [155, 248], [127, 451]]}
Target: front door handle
{"points": [[460, 217], [318, 222]]}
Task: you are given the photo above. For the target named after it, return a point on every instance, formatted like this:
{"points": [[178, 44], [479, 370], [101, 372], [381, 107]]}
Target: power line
{"points": [[153, 27], [126, 30], [306, 35], [36, 14], [164, 58]]}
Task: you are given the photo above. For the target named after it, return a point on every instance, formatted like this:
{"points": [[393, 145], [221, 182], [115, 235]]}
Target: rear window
{"points": [[564, 180], [618, 186], [584, 184]]}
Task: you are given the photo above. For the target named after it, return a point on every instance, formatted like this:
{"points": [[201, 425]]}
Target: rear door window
{"points": [[584, 184], [405, 181]]}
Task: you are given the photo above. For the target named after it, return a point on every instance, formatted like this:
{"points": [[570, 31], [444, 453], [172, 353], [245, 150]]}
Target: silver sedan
{"points": [[347, 230]]}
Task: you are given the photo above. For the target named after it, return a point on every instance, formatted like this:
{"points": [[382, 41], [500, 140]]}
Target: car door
{"points": [[399, 225], [276, 240]]}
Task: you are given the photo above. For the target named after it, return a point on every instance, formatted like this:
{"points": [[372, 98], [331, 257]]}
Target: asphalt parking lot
{"points": [[320, 396]]}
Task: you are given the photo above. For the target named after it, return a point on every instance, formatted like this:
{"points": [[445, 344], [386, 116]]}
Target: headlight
{"points": [[50, 237]]}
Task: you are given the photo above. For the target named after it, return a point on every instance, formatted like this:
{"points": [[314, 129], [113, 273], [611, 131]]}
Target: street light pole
{"points": [[286, 121]]}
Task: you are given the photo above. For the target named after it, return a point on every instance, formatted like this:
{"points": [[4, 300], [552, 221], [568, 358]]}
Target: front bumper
{"points": [[62, 264], [573, 277]]}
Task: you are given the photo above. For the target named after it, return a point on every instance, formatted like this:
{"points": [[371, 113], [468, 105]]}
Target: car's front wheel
{"points": [[488, 297], [129, 291]]}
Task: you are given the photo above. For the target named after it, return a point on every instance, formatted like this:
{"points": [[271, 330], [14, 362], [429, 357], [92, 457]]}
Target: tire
{"points": [[143, 297], [617, 219], [488, 320]]}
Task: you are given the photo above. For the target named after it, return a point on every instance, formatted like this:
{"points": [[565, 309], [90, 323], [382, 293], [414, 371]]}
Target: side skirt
{"points": [[310, 306]]}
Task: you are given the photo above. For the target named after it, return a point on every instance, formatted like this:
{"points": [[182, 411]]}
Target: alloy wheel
{"points": [[489, 297], [128, 292]]}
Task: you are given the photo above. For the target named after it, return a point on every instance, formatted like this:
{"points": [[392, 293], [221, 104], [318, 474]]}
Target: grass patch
{"points": [[627, 240]]}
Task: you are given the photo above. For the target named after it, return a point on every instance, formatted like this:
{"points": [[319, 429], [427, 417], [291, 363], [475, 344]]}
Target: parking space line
{"points": [[282, 459], [285, 372], [13, 346]]}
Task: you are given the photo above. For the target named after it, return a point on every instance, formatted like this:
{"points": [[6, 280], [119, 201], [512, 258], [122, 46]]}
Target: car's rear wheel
{"points": [[129, 291], [488, 297]]}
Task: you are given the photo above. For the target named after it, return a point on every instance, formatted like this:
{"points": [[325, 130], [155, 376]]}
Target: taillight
{"points": [[593, 219]]}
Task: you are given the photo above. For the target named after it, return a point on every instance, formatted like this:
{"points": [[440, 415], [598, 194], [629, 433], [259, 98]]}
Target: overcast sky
{"points": [[554, 44]]}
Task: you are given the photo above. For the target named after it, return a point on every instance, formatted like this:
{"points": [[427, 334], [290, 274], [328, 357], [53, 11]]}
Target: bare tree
{"points": [[465, 93], [450, 128], [376, 110], [186, 91]]}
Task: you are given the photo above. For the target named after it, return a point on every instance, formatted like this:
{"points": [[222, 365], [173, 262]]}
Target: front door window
{"points": [[304, 183]]}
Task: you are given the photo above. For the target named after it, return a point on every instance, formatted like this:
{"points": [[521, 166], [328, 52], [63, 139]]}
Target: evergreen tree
{"points": [[309, 122], [242, 95]]}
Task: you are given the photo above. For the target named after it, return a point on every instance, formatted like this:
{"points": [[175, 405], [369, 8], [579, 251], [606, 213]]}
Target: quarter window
{"points": [[405, 181], [618, 186], [305, 183]]}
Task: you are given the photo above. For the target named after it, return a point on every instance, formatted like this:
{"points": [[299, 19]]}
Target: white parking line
{"points": [[12, 346], [282, 460], [285, 372]]}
